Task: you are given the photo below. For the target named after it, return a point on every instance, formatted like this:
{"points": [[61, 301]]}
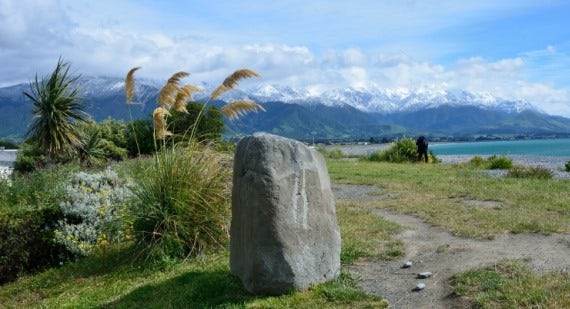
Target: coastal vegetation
{"points": [[402, 149], [137, 214], [435, 192]]}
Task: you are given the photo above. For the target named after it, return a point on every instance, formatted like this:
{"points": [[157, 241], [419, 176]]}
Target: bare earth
{"points": [[434, 250]]}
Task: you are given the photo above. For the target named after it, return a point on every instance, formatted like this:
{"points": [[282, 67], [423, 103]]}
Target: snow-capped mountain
{"points": [[298, 112], [388, 100], [369, 100]]}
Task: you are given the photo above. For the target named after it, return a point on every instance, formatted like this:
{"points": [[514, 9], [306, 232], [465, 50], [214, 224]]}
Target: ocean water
{"points": [[555, 148], [541, 147]]}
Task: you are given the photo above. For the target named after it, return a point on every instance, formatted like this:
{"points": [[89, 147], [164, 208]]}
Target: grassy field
{"points": [[434, 192], [109, 280], [469, 203], [438, 194], [510, 284]]}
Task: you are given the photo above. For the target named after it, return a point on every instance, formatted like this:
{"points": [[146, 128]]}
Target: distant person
{"points": [[422, 144]]}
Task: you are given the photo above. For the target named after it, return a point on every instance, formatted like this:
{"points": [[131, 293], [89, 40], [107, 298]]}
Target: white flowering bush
{"points": [[95, 210]]}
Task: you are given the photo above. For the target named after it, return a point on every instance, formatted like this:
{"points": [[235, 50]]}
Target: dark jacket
{"points": [[422, 143]]}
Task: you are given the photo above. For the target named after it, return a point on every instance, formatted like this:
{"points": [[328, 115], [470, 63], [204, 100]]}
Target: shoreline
{"points": [[553, 163]]}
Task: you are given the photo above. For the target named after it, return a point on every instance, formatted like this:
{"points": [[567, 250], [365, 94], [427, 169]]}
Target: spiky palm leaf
{"points": [[231, 81], [239, 108], [130, 84], [56, 108], [91, 152]]}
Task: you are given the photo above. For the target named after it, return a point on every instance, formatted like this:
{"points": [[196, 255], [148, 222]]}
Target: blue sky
{"points": [[517, 49]]}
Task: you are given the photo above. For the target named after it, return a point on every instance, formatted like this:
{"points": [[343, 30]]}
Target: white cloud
{"points": [[355, 77], [373, 49]]}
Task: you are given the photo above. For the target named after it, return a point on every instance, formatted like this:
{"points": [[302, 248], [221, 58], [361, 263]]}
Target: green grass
{"points": [[110, 280], [437, 193], [510, 284], [365, 235]]}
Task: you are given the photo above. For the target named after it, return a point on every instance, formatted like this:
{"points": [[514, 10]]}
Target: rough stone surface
{"points": [[284, 232]]}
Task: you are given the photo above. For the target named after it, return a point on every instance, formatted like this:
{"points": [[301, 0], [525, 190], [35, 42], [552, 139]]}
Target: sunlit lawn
{"points": [[438, 194]]}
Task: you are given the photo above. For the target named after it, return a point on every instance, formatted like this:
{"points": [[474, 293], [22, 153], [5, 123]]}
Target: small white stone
{"points": [[420, 287], [408, 264], [425, 274]]}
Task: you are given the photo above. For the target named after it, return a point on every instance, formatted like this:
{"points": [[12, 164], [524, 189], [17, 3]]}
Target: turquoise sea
{"points": [[541, 147]]}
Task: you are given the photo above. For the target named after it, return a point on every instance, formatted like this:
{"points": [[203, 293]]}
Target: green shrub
{"points": [[209, 127], [530, 172], [183, 203], [112, 151], [492, 162], [477, 162], [29, 158], [432, 157], [95, 208], [28, 215], [567, 166], [401, 150], [114, 131], [376, 156], [102, 141], [500, 162], [139, 138], [8, 144], [26, 243], [330, 154]]}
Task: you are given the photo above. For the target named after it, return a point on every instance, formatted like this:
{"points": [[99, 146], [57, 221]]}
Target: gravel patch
{"points": [[434, 250]]}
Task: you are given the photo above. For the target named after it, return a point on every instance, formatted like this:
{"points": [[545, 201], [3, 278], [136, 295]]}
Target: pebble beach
{"points": [[554, 164]]}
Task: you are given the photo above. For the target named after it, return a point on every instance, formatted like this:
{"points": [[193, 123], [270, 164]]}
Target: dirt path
{"points": [[434, 250]]}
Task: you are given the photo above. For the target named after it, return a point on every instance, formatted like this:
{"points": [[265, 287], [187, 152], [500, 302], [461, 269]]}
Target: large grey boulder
{"points": [[284, 232]]}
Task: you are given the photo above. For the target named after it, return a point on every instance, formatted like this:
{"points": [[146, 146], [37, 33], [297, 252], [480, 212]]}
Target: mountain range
{"points": [[338, 114]]}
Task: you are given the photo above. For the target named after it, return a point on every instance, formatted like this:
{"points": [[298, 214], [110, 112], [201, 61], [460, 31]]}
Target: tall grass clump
{"points": [[500, 162], [538, 172], [184, 203], [490, 163], [401, 150], [184, 195], [477, 162], [331, 154]]}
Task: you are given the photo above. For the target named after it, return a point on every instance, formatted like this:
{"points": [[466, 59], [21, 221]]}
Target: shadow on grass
{"points": [[218, 289], [195, 289]]}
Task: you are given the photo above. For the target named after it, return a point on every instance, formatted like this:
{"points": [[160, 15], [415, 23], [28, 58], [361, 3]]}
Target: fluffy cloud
{"points": [[33, 34]]}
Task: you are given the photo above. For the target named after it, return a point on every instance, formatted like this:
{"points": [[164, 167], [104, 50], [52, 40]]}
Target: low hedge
{"points": [[27, 243]]}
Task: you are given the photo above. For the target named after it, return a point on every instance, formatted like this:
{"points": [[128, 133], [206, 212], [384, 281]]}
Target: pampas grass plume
{"points": [[231, 81], [130, 84], [159, 116], [238, 108], [167, 96], [184, 94]]}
